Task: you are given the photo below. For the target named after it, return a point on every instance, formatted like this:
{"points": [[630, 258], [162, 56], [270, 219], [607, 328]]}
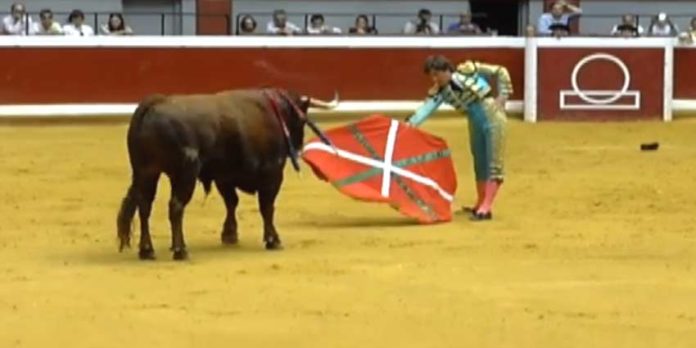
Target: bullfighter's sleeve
{"points": [[501, 74], [424, 111]]}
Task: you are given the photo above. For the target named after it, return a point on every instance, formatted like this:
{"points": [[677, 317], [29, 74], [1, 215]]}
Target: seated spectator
{"points": [[464, 26], [76, 26], [116, 26], [247, 25], [423, 26], [530, 31], [280, 25], [561, 13], [662, 26], [690, 35], [318, 26], [47, 26], [559, 30], [362, 26], [628, 27], [18, 22]]}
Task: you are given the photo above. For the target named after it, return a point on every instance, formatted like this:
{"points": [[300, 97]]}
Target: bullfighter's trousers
{"points": [[487, 121]]}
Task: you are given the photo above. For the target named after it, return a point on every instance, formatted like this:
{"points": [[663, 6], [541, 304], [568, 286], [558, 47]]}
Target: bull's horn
{"points": [[318, 103]]}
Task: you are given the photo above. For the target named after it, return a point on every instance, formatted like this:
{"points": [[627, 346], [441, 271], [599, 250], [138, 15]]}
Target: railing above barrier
{"points": [[142, 23], [183, 23]]}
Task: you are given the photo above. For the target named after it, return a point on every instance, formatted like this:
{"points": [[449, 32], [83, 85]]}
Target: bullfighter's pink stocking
{"points": [[491, 189], [480, 193]]}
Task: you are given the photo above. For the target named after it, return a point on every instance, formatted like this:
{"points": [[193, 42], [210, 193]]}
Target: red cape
{"points": [[422, 180]]}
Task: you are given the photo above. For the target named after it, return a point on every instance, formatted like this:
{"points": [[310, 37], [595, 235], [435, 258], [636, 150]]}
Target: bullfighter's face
{"points": [[441, 77]]}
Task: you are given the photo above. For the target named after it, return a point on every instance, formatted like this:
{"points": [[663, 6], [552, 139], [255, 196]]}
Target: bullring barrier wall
{"points": [[567, 79]]}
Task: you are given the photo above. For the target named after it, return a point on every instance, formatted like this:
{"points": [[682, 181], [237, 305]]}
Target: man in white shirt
{"points": [[423, 25], [18, 22], [690, 35], [662, 25], [317, 26], [561, 13], [280, 25], [47, 26], [76, 27]]}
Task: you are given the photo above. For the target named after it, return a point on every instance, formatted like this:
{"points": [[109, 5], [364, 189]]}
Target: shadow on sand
{"points": [[358, 222]]}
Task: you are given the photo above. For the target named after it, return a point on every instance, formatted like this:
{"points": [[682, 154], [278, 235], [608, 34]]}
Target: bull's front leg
{"points": [[267, 197], [229, 228]]}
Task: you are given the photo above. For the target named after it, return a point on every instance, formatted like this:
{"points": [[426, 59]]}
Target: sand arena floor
{"points": [[593, 246]]}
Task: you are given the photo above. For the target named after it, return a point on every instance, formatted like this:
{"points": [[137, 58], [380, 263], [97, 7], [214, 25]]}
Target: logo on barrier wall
{"points": [[596, 99]]}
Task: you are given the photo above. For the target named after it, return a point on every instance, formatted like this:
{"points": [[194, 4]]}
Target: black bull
{"points": [[237, 139]]}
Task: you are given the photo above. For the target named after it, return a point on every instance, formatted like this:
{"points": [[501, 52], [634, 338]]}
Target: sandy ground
{"points": [[593, 246]]}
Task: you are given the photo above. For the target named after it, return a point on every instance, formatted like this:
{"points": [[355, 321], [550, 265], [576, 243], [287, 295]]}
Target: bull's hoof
{"points": [[123, 245], [274, 244], [146, 254], [180, 255], [229, 238]]}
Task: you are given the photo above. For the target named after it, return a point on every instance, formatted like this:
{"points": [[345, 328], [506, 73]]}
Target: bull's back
{"points": [[229, 132]]}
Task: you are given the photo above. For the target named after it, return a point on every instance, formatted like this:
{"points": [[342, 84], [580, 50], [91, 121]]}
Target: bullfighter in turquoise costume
{"points": [[468, 90]]}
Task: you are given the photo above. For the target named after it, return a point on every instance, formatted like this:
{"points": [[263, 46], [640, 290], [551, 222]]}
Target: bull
{"points": [[238, 139]]}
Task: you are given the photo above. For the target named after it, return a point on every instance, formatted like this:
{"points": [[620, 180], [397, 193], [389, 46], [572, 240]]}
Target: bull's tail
{"points": [[129, 204], [125, 217]]}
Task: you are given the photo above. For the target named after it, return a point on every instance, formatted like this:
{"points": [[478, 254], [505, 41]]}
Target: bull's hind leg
{"points": [[229, 228], [267, 197], [182, 190], [148, 188]]}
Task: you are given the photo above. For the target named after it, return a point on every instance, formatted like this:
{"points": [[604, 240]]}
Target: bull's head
{"points": [[299, 118]]}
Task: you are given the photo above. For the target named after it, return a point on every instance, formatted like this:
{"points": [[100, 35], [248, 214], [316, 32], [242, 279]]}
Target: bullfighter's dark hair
{"points": [[437, 63]]}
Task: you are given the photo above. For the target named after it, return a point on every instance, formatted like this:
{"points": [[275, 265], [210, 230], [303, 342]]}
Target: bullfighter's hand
{"points": [[501, 100]]}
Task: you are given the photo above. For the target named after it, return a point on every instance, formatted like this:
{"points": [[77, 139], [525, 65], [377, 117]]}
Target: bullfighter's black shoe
{"points": [[481, 216]]}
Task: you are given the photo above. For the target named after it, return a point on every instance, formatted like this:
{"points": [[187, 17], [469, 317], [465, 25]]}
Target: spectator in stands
{"points": [[530, 31], [280, 25], [628, 27], [247, 25], [464, 26], [116, 26], [76, 25], [559, 30], [362, 26], [689, 36], [18, 22], [318, 26], [47, 26], [422, 26], [662, 26], [561, 13]]}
